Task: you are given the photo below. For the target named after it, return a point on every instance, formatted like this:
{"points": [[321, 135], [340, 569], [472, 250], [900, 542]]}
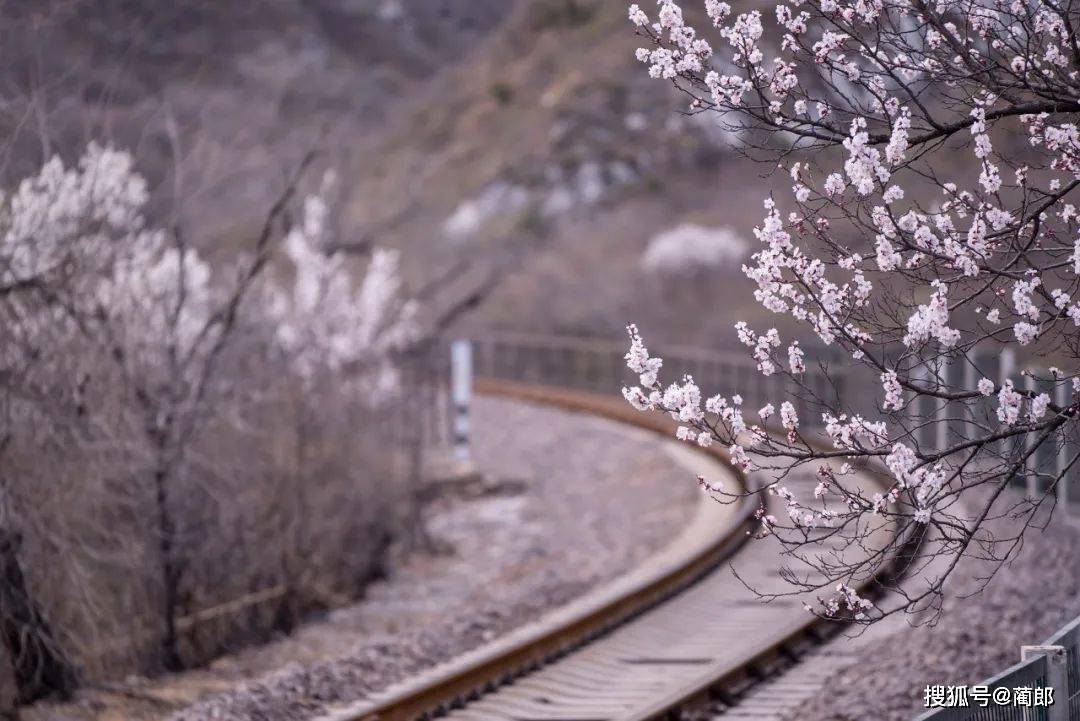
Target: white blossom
{"points": [[1008, 410], [325, 319], [796, 359], [788, 418], [931, 320], [689, 247], [894, 394], [1039, 404]]}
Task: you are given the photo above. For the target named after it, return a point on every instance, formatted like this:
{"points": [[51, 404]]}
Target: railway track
{"points": [[681, 633]]}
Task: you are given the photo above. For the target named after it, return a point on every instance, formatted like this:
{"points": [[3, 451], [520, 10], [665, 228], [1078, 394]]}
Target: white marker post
{"points": [[461, 372]]}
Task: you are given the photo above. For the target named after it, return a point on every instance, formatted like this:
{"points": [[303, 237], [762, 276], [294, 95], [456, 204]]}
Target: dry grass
{"points": [[285, 503]]}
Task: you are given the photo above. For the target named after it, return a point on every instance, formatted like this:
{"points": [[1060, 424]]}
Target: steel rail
{"points": [[484, 671]]}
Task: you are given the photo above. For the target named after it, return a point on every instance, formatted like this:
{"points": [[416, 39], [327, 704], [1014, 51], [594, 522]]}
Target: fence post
{"points": [[461, 381], [1056, 677], [1031, 465]]}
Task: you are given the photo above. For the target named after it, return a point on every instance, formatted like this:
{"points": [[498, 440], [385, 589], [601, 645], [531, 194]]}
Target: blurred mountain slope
{"points": [[251, 86], [551, 143], [486, 138]]}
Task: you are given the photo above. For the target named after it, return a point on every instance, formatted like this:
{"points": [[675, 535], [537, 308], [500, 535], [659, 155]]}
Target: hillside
{"points": [[516, 143], [550, 145]]}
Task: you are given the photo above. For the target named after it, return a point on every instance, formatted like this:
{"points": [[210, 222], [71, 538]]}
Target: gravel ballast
{"points": [[976, 637]]}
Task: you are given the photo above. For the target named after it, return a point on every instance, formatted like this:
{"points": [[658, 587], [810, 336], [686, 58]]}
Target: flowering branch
{"points": [[922, 241]]}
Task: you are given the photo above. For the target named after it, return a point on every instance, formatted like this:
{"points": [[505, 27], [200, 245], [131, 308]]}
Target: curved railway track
{"points": [[682, 632]]}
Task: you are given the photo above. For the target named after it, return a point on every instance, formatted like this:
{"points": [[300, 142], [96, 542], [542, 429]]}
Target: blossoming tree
{"points": [[325, 319], [62, 233], [930, 232], [345, 338], [98, 304]]}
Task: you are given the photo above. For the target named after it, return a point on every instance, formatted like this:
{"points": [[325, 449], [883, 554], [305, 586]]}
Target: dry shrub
{"points": [[286, 500]]}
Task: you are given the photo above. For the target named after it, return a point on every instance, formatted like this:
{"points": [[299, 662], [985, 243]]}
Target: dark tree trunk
{"points": [[170, 574], [289, 610], [40, 667], [417, 537]]}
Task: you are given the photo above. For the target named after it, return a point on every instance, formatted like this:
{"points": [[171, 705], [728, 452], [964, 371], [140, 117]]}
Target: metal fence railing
{"points": [[599, 365], [1068, 638], [1019, 693], [1026, 674]]}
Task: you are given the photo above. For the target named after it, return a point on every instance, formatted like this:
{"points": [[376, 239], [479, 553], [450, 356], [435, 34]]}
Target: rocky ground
{"points": [[570, 501], [976, 637]]}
